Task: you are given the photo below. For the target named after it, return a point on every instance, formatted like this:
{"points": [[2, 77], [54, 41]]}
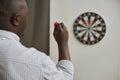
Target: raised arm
{"points": [[61, 36]]}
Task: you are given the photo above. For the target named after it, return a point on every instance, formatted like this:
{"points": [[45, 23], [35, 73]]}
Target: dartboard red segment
{"points": [[90, 28], [89, 22]]}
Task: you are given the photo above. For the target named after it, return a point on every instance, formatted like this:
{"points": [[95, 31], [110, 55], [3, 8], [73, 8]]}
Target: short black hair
{"points": [[9, 5]]}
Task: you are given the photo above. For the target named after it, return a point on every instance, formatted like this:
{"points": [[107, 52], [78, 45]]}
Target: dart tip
{"points": [[56, 24]]}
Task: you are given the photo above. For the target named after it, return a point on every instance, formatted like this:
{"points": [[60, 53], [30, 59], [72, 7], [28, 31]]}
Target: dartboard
{"points": [[89, 28]]}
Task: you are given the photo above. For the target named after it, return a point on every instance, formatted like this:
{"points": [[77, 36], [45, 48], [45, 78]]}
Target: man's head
{"points": [[13, 15]]}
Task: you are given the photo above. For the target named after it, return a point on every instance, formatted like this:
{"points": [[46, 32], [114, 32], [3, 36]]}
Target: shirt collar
{"points": [[9, 35]]}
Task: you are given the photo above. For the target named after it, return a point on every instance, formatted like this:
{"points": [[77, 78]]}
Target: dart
{"points": [[56, 24]]}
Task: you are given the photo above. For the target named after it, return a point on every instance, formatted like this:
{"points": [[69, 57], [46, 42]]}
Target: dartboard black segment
{"points": [[89, 28]]}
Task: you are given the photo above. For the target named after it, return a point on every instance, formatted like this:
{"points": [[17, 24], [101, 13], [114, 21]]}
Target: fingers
{"points": [[59, 27], [63, 26]]}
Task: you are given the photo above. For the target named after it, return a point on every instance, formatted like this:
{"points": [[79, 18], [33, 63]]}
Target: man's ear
{"points": [[15, 20]]}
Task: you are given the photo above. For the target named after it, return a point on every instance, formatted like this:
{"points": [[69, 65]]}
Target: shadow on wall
{"points": [[37, 31]]}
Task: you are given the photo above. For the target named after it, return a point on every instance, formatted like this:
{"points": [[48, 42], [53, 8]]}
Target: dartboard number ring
{"points": [[89, 28]]}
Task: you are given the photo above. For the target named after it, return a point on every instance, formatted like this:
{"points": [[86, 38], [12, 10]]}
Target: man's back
{"points": [[16, 61], [20, 63]]}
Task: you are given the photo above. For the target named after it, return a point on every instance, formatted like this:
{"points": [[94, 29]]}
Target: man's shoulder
{"points": [[17, 51], [38, 58]]}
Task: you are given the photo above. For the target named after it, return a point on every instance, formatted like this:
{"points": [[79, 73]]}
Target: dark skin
{"points": [[13, 17], [61, 36]]}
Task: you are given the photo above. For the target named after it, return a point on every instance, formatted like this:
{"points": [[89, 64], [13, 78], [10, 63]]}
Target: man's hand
{"points": [[61, 34], [61, 37]]}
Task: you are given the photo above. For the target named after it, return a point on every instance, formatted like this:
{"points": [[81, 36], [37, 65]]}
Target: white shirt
{"points": [[20, 63]]}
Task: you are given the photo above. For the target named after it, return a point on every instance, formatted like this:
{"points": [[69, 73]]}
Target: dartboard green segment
{"points": [[89, 28]]}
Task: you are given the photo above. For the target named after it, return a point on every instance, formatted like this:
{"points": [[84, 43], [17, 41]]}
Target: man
{"points": [[18, 62]]}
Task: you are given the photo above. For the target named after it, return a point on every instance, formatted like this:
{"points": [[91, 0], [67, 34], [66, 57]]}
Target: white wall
{"points": [[96, 62]]}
